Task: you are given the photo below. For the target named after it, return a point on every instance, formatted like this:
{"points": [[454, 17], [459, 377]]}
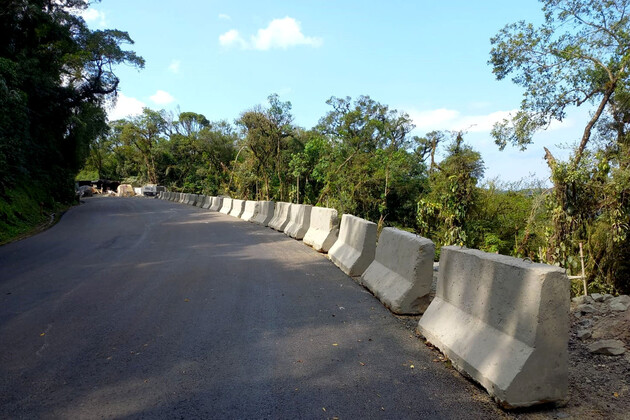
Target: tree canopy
{"points": [[579, 55], [56, 76]]}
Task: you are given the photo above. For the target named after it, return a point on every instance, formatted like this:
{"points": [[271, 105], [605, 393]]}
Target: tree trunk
{"points": [[589, 127]]}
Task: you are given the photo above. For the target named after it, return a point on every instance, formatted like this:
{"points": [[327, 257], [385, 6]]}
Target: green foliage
{"points": [[269, 141], [56, 75], [22, 209], [445, 213], [370, 169], [579, 55]]}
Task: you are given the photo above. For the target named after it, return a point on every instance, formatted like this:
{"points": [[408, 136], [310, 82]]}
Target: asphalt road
{"points": [[142, 308]]}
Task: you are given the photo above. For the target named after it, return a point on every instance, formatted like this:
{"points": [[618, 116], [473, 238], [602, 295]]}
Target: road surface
{"points": [[143, 308]]}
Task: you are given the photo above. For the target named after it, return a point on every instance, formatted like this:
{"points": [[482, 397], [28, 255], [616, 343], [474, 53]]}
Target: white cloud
{"points": [[162, 98], [232, 39], [91, 15], [280, 33], [125, 107], [283, 33], [453, 120], [223, 16], [435, 119], [174, 66]]}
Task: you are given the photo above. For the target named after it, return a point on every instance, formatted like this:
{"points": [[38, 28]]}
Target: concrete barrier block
{"points": [[250, 211], [200, 200], [402, 271], [226, 206], [192, 199], [207, 202], [504, 322], [265, 212], [217, 202], [184, 198], [281, 216], [354, 250], [238, 206], [299, 221], [323, 229]]}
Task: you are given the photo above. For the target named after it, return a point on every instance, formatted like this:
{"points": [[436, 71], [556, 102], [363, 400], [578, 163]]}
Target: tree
{"points": [[444, 214], [268, 137], [144, 132], [578, 56], [55, 78], [370, 143]]}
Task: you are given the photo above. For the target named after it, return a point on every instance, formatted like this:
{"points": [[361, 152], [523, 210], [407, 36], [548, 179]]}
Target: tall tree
{"points": [[268, 135], [55, 77], [145, 132], [444, 214], [369, 143], [579, 55]]}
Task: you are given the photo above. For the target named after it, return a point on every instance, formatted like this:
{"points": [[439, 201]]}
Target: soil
{"points": [[599, 385]]}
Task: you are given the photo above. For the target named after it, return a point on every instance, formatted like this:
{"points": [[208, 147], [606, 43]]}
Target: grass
{"points": [[27, 210]]}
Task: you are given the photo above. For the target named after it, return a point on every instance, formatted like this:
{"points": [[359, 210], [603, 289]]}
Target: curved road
{"points": [[141, 308]]}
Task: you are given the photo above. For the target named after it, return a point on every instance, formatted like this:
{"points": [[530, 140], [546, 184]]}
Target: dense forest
{"points": [[361, 158], [56, 76]]}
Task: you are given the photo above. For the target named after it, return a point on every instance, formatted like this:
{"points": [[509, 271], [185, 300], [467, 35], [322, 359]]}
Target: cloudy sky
{"points": [[424, 57]]}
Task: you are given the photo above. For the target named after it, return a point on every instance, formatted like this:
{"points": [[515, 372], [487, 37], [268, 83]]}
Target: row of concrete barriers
{"points": [[501, 320]]}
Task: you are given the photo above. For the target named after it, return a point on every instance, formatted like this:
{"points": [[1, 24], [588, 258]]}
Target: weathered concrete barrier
{"points": [[226, 206], [200, 200], [354, 251], [184, 198], [299, 221], [504, 322], [402, 271], [323, 229], [237, 208], [217, 202], [192, 199], [250, 211], [281, 216], [207, 203], [265, 213]]}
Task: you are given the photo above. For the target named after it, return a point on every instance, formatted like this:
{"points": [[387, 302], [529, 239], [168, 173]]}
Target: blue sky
{"points": [[426, 58]]}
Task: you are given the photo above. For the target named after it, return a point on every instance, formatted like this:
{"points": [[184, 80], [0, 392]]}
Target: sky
{"points": [[426, 58]]}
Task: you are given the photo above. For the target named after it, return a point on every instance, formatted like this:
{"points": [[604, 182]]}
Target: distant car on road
{"points": [[151, 190]]}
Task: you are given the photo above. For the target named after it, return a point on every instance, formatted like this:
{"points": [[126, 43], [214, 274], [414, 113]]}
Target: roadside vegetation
{"points": [[55, 80], [361, 158]]}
